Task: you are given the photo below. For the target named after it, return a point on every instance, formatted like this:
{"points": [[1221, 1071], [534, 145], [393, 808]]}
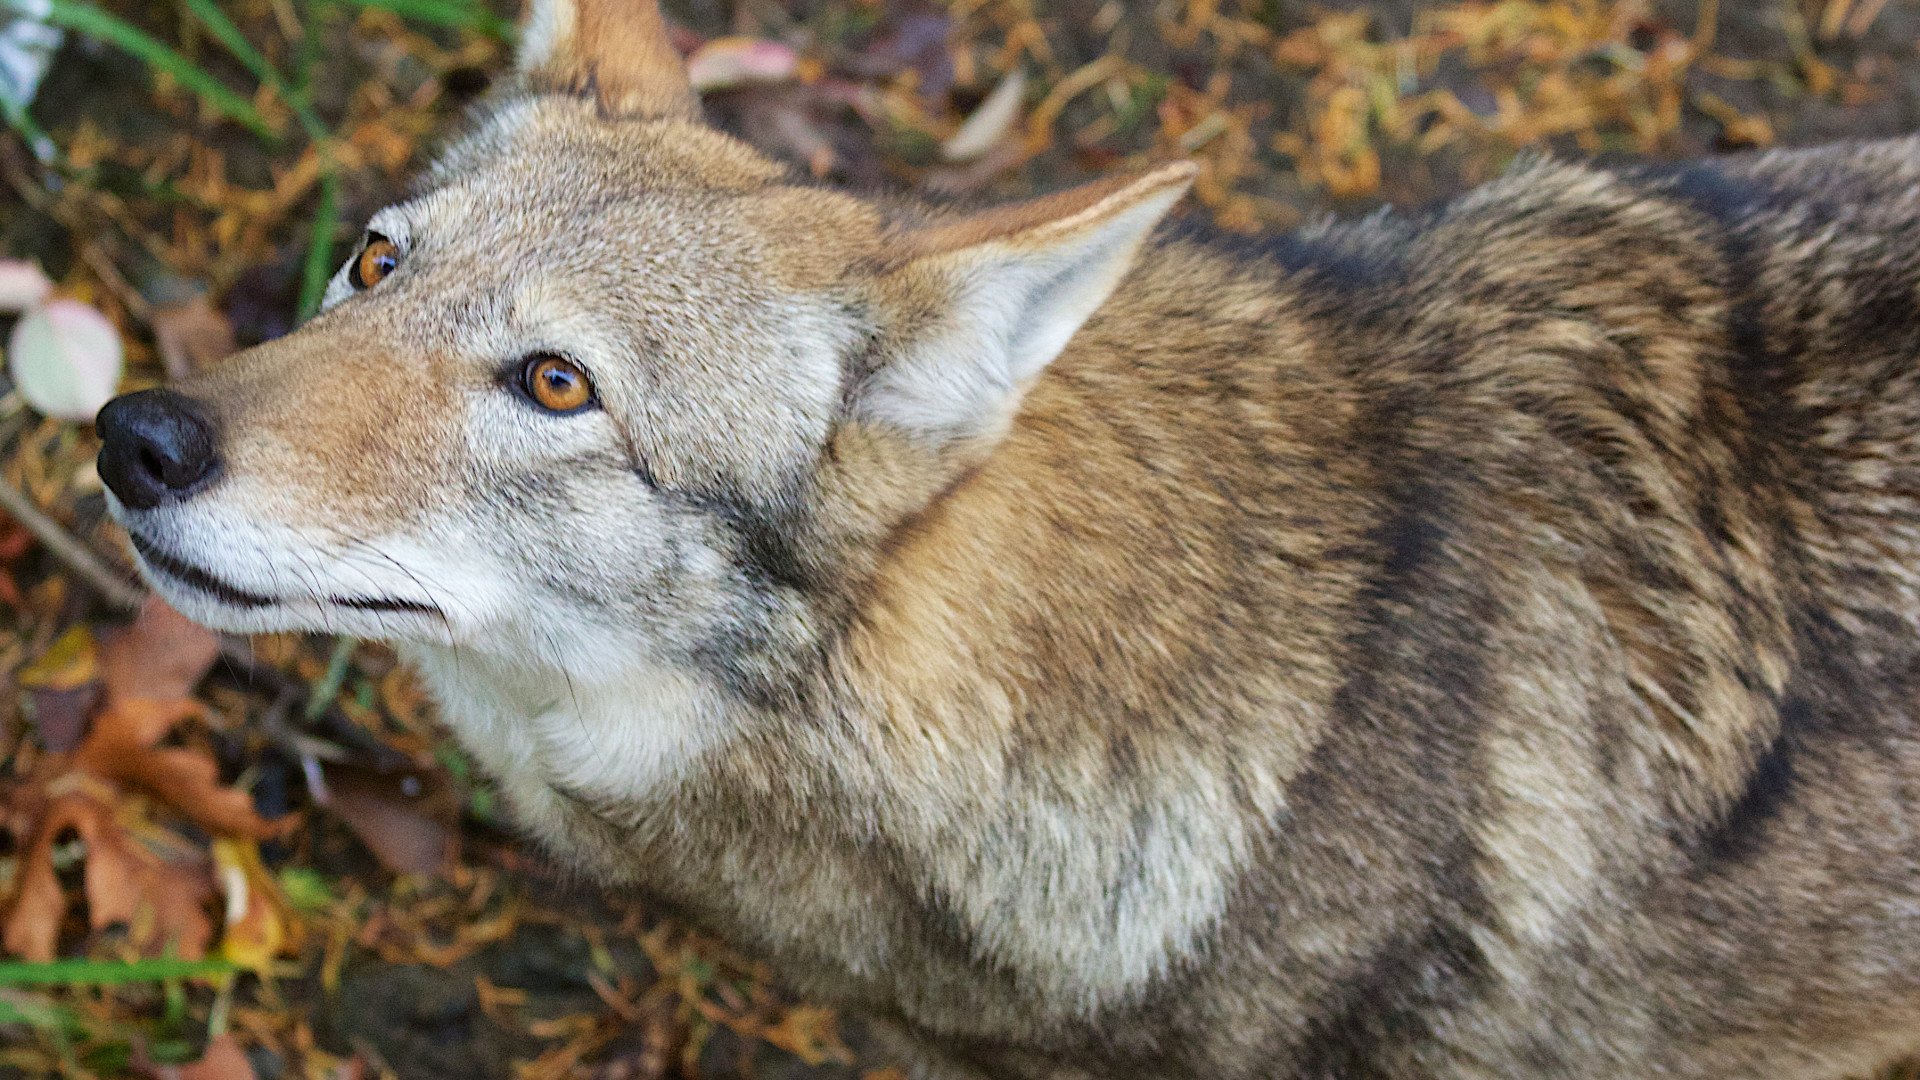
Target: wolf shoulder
{"points": [[1685, 394]]}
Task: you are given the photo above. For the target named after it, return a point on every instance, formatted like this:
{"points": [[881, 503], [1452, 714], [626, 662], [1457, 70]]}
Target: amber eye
{"points": [[376, 261], [556, 385]]}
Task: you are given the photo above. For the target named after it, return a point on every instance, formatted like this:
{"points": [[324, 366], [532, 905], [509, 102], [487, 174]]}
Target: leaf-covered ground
{"points": [[226, 858]]}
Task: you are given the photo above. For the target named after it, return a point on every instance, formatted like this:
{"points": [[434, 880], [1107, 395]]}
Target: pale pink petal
{"points": [[733, 61], [65, 359], [22, 285]]}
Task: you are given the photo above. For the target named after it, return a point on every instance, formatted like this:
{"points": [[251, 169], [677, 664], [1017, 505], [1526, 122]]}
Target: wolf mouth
{"points": [[188, 574]]}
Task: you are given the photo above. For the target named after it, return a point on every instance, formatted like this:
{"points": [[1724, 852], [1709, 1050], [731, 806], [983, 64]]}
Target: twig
{"points": [[1706, 27], [309, 751], [77, 556], [1832, 18], [102, 264]]}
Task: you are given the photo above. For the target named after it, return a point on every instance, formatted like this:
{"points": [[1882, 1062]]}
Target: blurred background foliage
{"points": [[276, 866]]}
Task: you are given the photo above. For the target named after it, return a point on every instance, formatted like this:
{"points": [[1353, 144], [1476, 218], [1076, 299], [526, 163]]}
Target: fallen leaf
{"points": [[15, 540], [22, 285], [735, 61], [222, 1060], [146, 672], [65, 358], [37, 907], [121, 876], [405, 818], [260, 924], [121, 747], [191, 335], [160, 656], [68, 664]]}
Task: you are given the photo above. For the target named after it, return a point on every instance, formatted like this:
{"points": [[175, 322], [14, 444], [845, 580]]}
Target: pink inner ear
{"points": [[616, 51]]}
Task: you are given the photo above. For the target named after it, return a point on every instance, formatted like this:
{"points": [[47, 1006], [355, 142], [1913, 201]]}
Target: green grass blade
{"points": [[314, 15], [460, 14], [97, 972], [319, 267], [89, 20], [229, 35]]}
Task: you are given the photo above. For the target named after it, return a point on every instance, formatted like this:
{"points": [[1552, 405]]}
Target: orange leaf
{"points": [[161, 902], [114, 863], [179, 893], [33, 919], [121, 748]]}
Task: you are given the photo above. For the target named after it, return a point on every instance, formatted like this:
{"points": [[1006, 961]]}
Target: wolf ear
{"points": [[990, 300], [613, 50]]}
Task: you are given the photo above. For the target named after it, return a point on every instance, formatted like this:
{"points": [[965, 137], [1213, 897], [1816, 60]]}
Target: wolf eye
{"points": [[374, 262], [555, 384]]}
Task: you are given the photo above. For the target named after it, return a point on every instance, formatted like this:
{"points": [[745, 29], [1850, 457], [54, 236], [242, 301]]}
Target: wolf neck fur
{"points": [[959, 704]]}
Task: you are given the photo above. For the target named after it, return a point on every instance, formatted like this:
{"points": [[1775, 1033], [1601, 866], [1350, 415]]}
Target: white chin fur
{"points": [[297, 616], [389, 589]]}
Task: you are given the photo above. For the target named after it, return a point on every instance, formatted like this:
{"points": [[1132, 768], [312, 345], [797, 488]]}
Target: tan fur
{"points": [[1477, 644], [615, 51]]}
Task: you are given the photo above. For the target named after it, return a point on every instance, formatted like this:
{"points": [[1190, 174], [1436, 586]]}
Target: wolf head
{"points": [[611, 388]]}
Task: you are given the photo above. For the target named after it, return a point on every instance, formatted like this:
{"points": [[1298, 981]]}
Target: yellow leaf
{"points": [[260, 924], [69, 665]]}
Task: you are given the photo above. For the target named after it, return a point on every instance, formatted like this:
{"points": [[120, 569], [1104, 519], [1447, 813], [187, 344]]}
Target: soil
{"points": [[419, 1021]]}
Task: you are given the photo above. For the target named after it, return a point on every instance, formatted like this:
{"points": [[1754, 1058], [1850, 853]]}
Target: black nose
{"points": [[157, 446]]}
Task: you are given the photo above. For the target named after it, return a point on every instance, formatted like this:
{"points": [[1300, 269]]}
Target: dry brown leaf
{"points": [[160, 656], [121, 747], [222, 1060], [146, 670], [39, 904], [407, 819], [191, 335], [121, 876], [15, 540]]}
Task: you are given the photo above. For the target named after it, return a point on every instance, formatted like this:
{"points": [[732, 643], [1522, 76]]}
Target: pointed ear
{"points": [[995, 297], [613, 50]]}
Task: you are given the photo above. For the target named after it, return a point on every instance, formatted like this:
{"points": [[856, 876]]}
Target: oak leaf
{"points": [[134, 872]]}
